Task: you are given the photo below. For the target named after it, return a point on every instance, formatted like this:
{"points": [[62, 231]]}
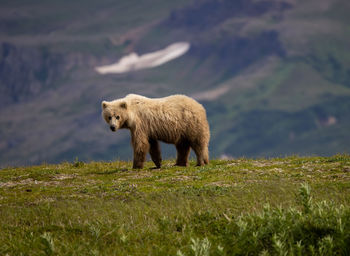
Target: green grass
{"points": [[281, 206]]}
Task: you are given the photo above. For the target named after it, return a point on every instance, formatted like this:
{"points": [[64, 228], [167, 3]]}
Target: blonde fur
{"points": [[176, 119]]}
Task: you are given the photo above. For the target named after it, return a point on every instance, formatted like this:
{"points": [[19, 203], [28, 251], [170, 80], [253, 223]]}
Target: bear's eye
{"points": [[117, 117], [109, 118]]}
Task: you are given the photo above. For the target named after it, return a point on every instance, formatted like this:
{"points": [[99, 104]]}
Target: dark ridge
{"points": [[260, 131], [207, 14], [236, 53], [27, 71]]}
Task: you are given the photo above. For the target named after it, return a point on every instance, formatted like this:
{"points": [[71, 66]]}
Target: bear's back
{"points": [[169, 118]]}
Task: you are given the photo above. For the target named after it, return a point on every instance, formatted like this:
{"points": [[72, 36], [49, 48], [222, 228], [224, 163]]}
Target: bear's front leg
{"points": [[155, 153], [141, 147], [139, 160], [183, 152]]}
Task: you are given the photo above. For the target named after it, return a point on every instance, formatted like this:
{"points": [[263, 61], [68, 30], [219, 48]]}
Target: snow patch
{"points": [[134, 62]]}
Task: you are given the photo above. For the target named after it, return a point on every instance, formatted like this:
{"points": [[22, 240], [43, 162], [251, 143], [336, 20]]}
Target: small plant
{"points": [[199, 247], [48, 243], [305, 197], [77, 163]]}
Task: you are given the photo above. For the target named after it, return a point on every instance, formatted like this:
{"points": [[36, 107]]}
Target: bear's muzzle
{"points": [[113, 128]]}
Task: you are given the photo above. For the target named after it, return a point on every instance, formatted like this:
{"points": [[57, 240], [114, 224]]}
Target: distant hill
{"points": [[273, 75]]}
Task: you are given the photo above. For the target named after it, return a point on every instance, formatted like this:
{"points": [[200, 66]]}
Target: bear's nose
{"points": [[113, 128]]}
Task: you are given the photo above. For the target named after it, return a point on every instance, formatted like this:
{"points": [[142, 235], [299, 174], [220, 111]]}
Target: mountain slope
{"points": [[274, 76]]}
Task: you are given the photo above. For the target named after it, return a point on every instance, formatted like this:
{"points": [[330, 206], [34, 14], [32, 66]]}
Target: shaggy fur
{"points": [[176, 119]]}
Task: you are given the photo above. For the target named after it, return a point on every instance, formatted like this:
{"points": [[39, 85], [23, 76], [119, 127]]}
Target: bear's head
{"points": [[115, 114]]}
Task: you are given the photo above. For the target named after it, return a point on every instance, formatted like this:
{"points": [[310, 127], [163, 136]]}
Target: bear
{"points": [[176, 119]]}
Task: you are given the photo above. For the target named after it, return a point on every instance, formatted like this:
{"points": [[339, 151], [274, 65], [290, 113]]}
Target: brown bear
{"points": [[176, 119]]}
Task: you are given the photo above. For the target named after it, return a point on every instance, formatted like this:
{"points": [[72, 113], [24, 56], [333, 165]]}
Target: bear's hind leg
{"points": [[183, 151], [206, 155], [201, 153], [155, 153]]}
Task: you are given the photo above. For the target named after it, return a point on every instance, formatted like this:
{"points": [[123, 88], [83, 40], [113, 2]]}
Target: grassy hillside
{"points": [[293, 205]]}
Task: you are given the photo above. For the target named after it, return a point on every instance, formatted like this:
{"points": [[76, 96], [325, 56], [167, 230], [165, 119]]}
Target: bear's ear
{"points": [[123, 105], [104, 104]]}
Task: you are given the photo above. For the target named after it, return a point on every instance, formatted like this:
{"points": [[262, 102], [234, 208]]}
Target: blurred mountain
{"points": [[274, 75]]}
